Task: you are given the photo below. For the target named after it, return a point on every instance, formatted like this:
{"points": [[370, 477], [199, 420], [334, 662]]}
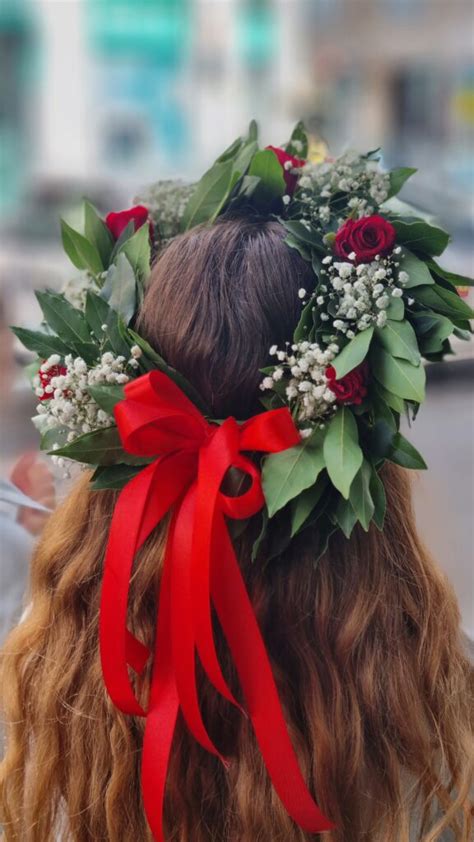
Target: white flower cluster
{"points": [[166, 202], [65, 397], [361, 178], [351, 298], [301, 370], [75, 289]]}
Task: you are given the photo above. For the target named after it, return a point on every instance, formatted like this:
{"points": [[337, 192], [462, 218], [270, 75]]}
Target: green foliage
{"points": [[360, 496], [417, 270], [354, 353], [451, 277], [100, 447], [107, 396], [120, 287], [419, 236], [398, 177], [399, 339], [306, 502], [266, 167], [114, 477], [399, 376], [43, 344], [298, 143], [137, 250], [68, 323], [345, 516], [81, 252], [403, 453], [342, 451], [288, 473], [98, 234], [443, 301]]}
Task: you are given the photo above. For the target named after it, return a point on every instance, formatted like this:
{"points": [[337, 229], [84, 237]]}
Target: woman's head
{"points": [[364, 644], [219, 297]]}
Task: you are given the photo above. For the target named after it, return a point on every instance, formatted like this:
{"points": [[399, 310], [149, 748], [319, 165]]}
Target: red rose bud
{"points": [[45, 378], [352, 388], [365, 238], [117, 222], [287, 163]]}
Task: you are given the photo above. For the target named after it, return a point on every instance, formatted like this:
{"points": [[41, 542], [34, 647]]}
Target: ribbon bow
{"points": [[191, 459]]}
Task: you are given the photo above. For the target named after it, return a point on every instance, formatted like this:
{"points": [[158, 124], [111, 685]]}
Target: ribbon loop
{"points": [[191, 460]]}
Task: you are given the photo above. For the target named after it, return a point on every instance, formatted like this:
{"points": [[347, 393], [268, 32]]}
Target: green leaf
{"points": [[96, 312], [345, 516], [82, 253], [452, 278], [396, 309], [399, 376], [377, 492], [393, 401], [138, 251], [421, 236], [354, 353], [298, 144], [68, 323], [98, 234], [272, 185], [43, 344], [120, 288], [101, 447], [309, 236], [342, 451], [399, 339], [126, 234], [306, 322], [210, 194], [360, 496], [54, 436], [443, 301], [431, 341], [107, 396], [398, 178], [305, 503], [416, 269], [114, 477], [286, 474], [403, 453]]}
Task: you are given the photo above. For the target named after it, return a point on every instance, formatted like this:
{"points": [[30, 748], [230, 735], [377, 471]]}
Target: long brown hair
{"points": [[365, 645]]}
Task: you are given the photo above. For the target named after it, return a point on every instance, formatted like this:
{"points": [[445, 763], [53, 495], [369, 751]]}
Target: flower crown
{"points": [[334, 398], [379, 306]]}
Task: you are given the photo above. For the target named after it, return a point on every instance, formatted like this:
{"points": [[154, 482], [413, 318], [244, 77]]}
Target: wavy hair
{"points": [[365, 646]]}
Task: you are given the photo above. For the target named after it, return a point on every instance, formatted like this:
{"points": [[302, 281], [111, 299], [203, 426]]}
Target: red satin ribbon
{"points": [[192, 458]]}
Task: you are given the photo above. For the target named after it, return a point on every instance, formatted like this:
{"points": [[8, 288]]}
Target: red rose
{"points": [[46, 377], [365, 237], [291, 163], [117, 222], [352, 388]]}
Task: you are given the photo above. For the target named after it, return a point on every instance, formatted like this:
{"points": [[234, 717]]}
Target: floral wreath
{"points": [[334, 397]]}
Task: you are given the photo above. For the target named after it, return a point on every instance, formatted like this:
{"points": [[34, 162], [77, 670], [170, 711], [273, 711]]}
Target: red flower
{"points": [[117, 222], [46, 377], [352, 388], [366, 238], [291, 163]]}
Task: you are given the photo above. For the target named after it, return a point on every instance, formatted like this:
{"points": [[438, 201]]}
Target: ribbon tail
{"points": [[241, 630], [162, 715], [180, 550], [115, 645]]}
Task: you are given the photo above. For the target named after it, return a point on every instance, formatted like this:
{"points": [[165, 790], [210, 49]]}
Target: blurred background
{"points": [[102, 97]]}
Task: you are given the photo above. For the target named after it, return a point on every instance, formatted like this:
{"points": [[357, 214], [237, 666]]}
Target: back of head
{"points": [[364, 644]]}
